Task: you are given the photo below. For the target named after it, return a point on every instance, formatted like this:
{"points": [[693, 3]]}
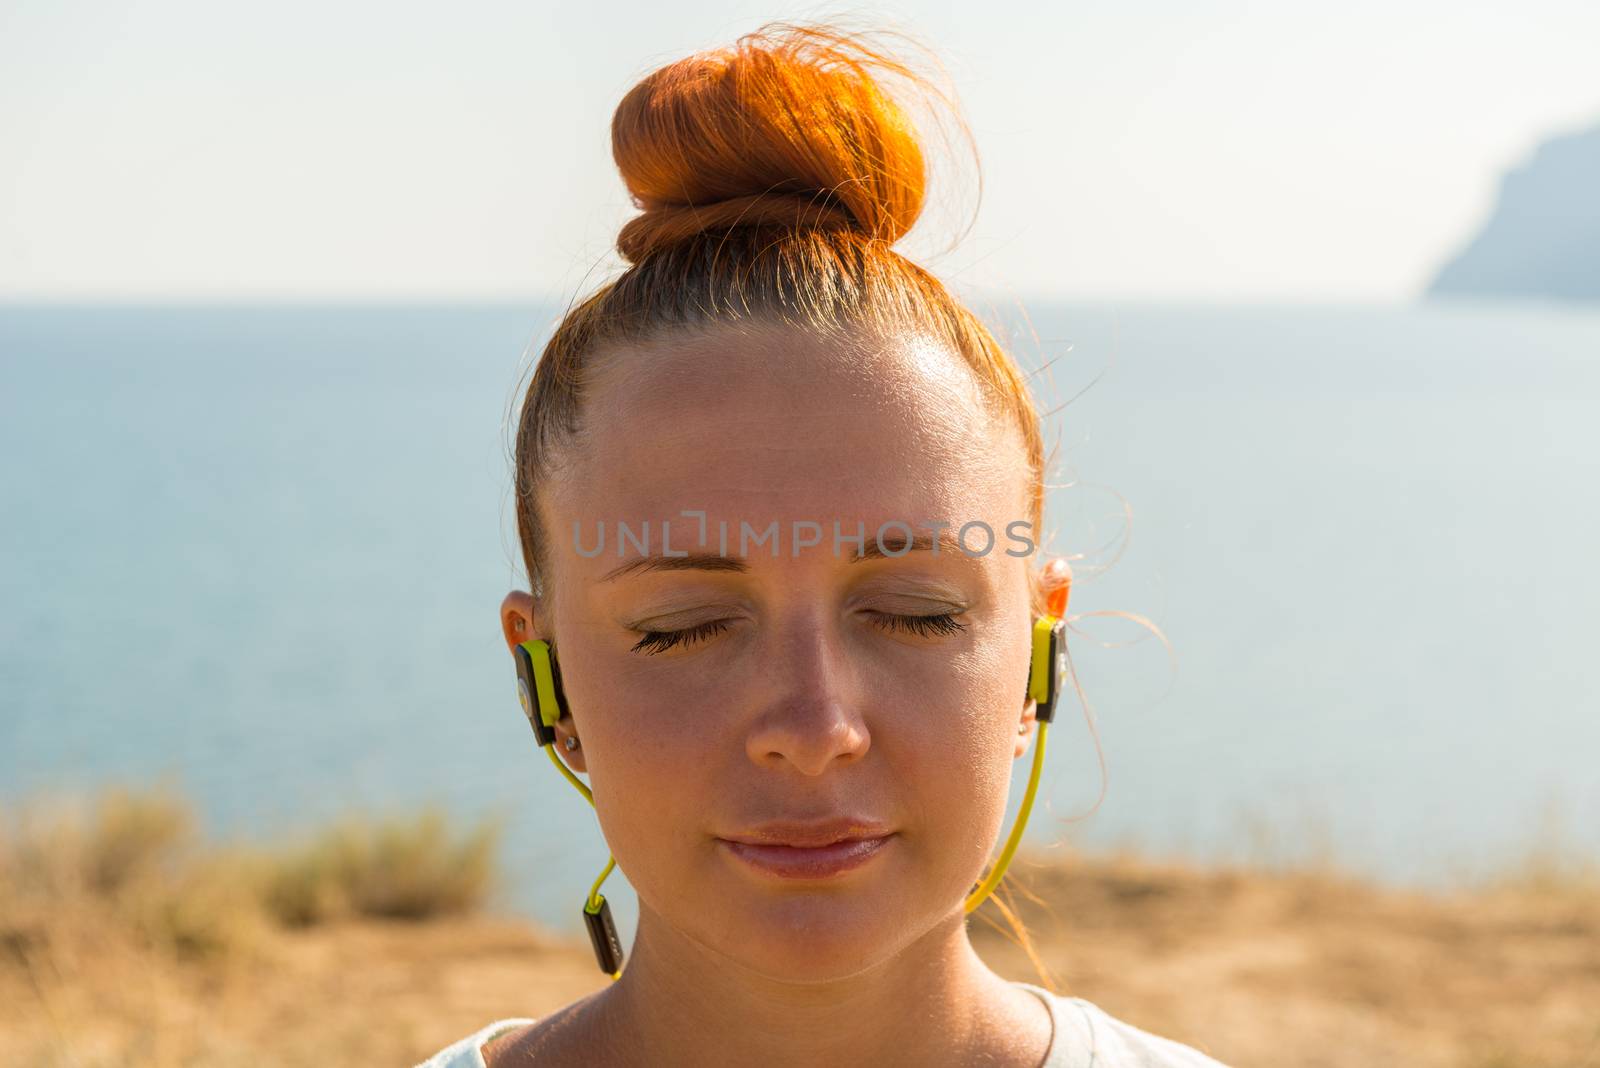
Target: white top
{"points": [[1083, 1036]]}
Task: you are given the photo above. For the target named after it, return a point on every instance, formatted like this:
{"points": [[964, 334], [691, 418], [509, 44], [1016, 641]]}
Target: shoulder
{"points": [[1086, 1034], [468, 1052], [1120, 1043]]}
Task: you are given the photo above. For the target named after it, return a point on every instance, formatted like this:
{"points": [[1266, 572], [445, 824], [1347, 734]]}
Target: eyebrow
{"points": [[898, 546]]}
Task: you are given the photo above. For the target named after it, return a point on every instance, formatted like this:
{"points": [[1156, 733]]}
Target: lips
{"points": [[811, 832], [811, 850], [808, 862]]}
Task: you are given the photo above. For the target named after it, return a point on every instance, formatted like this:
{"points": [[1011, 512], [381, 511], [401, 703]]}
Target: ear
{"points": [[517, 618], [1029, 724], [519, 622]]}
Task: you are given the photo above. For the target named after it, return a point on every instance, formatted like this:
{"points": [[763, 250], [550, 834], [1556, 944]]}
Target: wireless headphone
{"points": [[544, 703]]}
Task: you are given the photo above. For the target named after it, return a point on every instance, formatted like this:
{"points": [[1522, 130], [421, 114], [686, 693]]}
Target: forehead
{"points": [[768, 422]]}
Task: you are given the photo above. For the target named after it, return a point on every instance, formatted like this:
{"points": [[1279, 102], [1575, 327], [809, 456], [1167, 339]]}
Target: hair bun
{"points": [[789, 126]]}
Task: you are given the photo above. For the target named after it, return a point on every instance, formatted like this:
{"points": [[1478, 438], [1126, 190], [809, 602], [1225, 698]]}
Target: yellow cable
{"points": [[573, 779], [986, 888], [593, 901], [594, 891]]}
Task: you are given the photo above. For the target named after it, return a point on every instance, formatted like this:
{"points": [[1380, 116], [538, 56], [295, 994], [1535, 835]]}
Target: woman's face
{"points": [[717, 697]]}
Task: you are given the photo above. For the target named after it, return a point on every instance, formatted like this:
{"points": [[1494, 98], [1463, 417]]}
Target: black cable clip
{"points": [[603, 933]]}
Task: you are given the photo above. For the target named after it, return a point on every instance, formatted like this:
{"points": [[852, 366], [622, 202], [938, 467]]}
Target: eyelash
{"points": [[656, 641]]}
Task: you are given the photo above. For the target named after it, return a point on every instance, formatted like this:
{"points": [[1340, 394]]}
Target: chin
{"points": [[810, 938]]}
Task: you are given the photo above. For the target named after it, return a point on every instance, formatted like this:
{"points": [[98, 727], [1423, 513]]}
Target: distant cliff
{"points": [[1543, 237]]}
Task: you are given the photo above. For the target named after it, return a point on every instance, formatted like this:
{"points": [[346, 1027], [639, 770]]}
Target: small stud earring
{"points": [[1022, 728], [571, 743]]}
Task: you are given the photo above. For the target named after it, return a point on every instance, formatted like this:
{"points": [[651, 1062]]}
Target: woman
{"points": [[777, 496]]}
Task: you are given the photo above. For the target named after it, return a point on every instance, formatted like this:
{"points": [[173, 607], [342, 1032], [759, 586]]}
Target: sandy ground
{"points": [[1253, 967]]}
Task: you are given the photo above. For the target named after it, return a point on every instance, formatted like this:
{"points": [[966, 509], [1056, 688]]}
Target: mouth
{"points": [[786, 860]]}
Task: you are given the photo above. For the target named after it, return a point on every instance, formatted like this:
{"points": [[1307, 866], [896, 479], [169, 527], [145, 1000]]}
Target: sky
{"points": [[1210, 150]]}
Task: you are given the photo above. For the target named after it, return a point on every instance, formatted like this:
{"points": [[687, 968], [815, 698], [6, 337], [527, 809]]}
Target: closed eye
{"points": [[940, 625], [945, 623], [656, 641]]}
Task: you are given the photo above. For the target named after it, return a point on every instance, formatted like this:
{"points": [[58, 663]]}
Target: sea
{"points": [[1336, 594]]}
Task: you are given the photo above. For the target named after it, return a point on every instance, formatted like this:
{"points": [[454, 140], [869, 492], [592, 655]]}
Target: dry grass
{"points": [[124, 940], [129, 864], [1315, 969]]}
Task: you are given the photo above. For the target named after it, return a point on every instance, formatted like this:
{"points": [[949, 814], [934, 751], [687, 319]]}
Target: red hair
{"points": [[773, 179]]}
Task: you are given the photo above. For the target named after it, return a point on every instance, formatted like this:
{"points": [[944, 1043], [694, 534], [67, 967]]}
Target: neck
{"points": [[933, 1002]]}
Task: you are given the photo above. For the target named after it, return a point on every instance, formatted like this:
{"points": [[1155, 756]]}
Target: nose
{"points": [[809, 718]]}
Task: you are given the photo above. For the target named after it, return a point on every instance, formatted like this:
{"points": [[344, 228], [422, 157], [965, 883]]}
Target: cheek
{"points": [[982, 757], [949, 745], [651, 760]]}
